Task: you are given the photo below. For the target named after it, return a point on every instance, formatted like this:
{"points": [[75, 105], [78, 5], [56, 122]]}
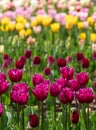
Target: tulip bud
{"points": [[33, 120], [47, 71], [75, 117]]}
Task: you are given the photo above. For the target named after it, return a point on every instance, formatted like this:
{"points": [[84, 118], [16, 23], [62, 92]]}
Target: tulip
{"points": [[33, 120], [36, 60], [15, 75], [82, 78], [61, 62], [5, 56], [23, 59], [79, 56], [67, 73], [74, 84], [4, 84], [28, 54], [55, 89], [19, 64], [75, 117], [47, 71], [62, 82], [85, 62], [50, 60], [37, 79], [20, 93], [41, 91], [85, 95], [66, 95], [94, 56]]}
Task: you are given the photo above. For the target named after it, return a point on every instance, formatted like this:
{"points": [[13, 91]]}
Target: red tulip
{"points": [[33, 120], [75, 117]]}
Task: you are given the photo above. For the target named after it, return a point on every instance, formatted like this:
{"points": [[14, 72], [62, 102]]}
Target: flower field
{"points": [[47, 65]]}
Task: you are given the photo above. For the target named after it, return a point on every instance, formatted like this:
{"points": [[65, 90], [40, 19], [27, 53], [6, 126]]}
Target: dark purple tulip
{"points": [[79, 56], [37, 60], [19, 64], [33, 120], [23, 59], [50, 60], [75, 117], [47, 71], [28, 54], [61, 62], [85, 62]]}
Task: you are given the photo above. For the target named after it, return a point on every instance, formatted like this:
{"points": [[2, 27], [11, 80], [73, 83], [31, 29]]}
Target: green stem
{"points": [[42, 116], [64, 117], [69, 124], [1, 122], [1, 116], [17, 113], [23, 125], [54, 113], [1, 99], [53, 43], [84, 116], [88, 125], [39, 109]]}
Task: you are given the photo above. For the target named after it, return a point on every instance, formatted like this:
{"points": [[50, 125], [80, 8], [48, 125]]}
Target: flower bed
{"points": [[47, 66]]}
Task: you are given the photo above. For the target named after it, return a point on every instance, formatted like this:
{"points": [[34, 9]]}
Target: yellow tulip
{"points": [[93, 37], [19, 26], [39, 19], [90, 20], [2, 28], [12, 26], [7, 28], [28, 31], [80, 25], [5, 20], [70, 21], [46, 21], [82, 36], [68, 26], [22, 33], [55, 27], [34, 23]]}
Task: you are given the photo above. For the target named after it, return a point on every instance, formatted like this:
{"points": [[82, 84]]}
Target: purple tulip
{"points": [[41, 91], [67, 73], [66, 95], [55, 89], [37, 79], [15, 75], [4, 84], [74, 84], [85, 95], [82, 78], [20, 93]]}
